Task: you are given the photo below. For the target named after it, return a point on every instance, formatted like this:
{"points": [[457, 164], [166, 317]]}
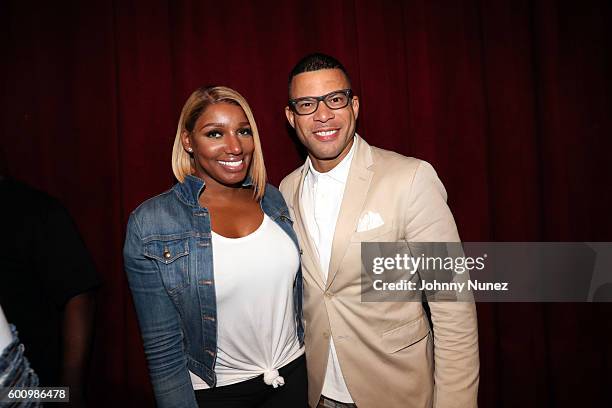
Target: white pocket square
{"points": [[369, 220]]}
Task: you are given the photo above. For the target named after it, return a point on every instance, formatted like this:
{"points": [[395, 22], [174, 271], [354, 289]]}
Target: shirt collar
{"points": [[340, 172]]}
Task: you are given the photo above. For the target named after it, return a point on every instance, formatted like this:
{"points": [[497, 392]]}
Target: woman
{"points": [[213, 266]]}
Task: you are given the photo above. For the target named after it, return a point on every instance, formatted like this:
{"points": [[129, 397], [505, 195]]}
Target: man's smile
{"points": [[325, 134]]}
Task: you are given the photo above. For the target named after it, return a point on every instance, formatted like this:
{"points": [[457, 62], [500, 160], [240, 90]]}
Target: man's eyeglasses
{"points": [[309, 104]]}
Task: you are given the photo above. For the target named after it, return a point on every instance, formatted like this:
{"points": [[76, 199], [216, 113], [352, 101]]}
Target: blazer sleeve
{"points": [[159, 325], [455, 325]]}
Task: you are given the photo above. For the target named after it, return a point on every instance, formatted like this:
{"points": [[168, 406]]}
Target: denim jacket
{"points": [[15, 370], [168, 261]]}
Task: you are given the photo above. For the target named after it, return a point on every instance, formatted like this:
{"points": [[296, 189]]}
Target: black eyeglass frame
{"points": [[293, 102]]}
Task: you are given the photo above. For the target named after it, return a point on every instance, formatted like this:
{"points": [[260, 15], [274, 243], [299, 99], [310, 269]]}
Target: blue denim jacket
{"points": [[168, 261], [15, 371]]}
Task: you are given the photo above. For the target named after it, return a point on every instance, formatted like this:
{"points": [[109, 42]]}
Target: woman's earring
{"points": [[189, 149]]}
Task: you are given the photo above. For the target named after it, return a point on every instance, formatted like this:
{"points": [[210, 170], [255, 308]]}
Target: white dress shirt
{"points": [[321, 198]]}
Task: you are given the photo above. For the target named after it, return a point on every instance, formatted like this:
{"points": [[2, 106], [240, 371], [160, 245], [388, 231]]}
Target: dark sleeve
{"points": [[64, 264]]}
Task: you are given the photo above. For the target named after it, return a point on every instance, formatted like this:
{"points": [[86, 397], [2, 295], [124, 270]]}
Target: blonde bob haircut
{"points": [[198, 102]]}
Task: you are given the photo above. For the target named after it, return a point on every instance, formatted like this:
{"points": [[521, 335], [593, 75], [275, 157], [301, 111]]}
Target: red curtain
{"points": [[509, 100]]}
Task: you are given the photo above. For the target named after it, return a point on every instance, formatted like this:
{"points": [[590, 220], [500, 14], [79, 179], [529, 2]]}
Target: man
{"points": [[375, 354], [47, 286]]}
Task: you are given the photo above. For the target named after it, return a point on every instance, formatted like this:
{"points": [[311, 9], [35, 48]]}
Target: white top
{"points": [[321, 198], [6, 337], [256, 331]]}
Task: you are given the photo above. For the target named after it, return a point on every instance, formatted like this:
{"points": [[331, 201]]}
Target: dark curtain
{"points": [[509, 100]]}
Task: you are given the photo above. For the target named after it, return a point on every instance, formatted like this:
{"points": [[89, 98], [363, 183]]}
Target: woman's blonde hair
{"points": [[198, 102]]}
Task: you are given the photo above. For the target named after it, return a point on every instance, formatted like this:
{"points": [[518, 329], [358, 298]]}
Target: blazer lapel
{"points": [[310, 258], [355, 194]]}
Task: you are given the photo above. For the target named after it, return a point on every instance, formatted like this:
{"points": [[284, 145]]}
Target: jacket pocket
{"points": [[405, 335], [381, 233], [173, 262]]}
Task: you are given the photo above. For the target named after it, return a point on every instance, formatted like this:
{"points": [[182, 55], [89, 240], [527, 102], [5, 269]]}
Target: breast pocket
{"points": [[173, 262], [385, 232]]}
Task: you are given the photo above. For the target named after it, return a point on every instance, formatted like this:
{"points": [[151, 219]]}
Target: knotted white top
{"points": [[273, 378], [254, 278]]}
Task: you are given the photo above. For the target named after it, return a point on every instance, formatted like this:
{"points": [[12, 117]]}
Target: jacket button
{"points": [[167, 254]]}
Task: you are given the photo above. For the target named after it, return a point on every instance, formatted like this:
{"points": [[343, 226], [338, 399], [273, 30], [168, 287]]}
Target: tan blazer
{"points": [[386, 350]]}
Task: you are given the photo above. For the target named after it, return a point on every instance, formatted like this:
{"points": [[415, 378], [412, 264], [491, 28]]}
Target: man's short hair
{"points": [[316, 62]]}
